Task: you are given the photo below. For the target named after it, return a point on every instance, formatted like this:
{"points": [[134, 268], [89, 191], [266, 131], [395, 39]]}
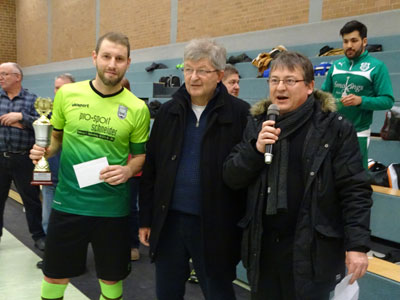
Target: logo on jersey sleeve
{"points": [[122, 112]]}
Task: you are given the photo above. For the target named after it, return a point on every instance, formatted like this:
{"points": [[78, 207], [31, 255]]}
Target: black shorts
{"points": [[67, 241]]}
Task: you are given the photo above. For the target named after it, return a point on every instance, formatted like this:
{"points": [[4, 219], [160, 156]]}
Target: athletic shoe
{"points": [[193, 278]]}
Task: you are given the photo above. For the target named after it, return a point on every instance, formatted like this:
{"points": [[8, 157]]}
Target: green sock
{"points": [[52, 290], [111, 291]]}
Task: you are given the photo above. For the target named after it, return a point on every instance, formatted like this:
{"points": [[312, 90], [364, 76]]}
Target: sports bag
{"points": [[381, 175], [391, 127], [170, 81], [374, 48]]}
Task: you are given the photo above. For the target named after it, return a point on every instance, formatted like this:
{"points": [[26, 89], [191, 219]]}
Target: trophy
{"points": [[43, 129]]}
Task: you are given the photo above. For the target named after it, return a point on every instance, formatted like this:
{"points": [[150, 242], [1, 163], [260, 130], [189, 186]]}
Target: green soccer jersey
{"points": [[95, 126], [363, 76]]}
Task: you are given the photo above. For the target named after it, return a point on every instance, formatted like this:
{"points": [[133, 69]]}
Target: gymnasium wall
{"points": [[8, 41], [53, 31]]}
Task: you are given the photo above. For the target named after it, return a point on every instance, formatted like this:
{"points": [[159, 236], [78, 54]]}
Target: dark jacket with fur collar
{"points": [[334, 213]]}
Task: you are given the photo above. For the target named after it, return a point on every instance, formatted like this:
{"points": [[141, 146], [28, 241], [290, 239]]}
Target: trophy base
{"points": [[41, 178]]}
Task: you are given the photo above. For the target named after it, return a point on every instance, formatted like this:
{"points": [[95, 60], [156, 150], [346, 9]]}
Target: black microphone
{"points": [[272, 114]]}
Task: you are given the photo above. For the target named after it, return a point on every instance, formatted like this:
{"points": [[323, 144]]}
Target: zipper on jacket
{"points": [[197, 123]]}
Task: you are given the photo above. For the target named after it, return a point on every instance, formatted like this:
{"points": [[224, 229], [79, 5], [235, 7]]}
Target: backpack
{"points": [[266, 73], [374, 48], [391, 127], [322, 69], [170, 81], [381, 175], [238, 59], [324, 49]]}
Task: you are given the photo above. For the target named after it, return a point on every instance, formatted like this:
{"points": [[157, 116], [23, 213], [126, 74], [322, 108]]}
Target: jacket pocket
{"points": [[329, 231], [328, 254]]}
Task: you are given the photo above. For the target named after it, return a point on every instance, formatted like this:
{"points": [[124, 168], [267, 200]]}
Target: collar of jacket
{"points": [[326, 100], [223, 111]]}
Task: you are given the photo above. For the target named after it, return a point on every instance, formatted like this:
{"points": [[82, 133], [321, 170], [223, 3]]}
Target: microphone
{"points": [[272, 114]]}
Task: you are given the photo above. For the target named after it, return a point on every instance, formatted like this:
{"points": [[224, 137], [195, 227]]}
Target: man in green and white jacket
{"points": [[360, 83]]}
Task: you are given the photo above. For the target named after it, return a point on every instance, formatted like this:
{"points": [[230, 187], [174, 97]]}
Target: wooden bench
{"points": [[14, 195], [384, 268], [385, 190]]}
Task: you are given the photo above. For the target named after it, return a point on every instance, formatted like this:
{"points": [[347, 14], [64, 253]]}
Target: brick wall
{"points": [[8, 44], [31, 32], [73, 29], [333, 9], [146, 23], [217, 18]]}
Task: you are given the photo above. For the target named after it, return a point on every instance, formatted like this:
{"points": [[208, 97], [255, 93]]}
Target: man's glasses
{"points": [[4, 74], [201, 72], [286, 81]]}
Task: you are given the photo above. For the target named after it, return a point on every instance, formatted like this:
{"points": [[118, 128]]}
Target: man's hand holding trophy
{"points": [[43, 129]]}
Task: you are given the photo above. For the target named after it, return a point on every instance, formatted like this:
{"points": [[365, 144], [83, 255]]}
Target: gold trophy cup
{"points": [[43, 129]]}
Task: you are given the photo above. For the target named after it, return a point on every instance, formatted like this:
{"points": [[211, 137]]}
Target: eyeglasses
{"points": [[201, 72], [286, 81], [4, 74]]}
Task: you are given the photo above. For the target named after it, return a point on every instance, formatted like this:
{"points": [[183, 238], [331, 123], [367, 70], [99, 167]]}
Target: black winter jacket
{"points": [[222, 208], [334, 214]]}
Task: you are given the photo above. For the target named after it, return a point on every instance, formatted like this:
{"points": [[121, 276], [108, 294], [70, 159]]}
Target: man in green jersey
{"points": [[96, 119], [359, 82]]}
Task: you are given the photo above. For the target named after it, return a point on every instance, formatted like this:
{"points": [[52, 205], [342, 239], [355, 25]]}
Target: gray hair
{"points": [[198, 49], [229, 70], [66, 76], [15, 66]]}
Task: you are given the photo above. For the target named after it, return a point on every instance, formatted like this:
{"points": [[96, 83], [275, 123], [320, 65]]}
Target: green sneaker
{"points": [[193, 278]]}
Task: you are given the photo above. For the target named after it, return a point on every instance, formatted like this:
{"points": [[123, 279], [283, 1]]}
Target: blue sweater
{"points": [[188, 187]]}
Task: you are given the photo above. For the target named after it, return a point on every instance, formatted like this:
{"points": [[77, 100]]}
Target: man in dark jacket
{"points": [[186, 211], [308, 211]]}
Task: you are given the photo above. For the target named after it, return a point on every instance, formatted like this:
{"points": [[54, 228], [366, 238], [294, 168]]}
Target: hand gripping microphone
{"points": [[272, 114]]}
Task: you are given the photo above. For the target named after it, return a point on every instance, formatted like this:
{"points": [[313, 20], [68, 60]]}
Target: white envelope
{"points": [[88, 173], [346, 291]]}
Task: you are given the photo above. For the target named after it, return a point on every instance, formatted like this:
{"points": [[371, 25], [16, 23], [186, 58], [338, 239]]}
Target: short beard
{"points": [[357, 53], [110, 82]]}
